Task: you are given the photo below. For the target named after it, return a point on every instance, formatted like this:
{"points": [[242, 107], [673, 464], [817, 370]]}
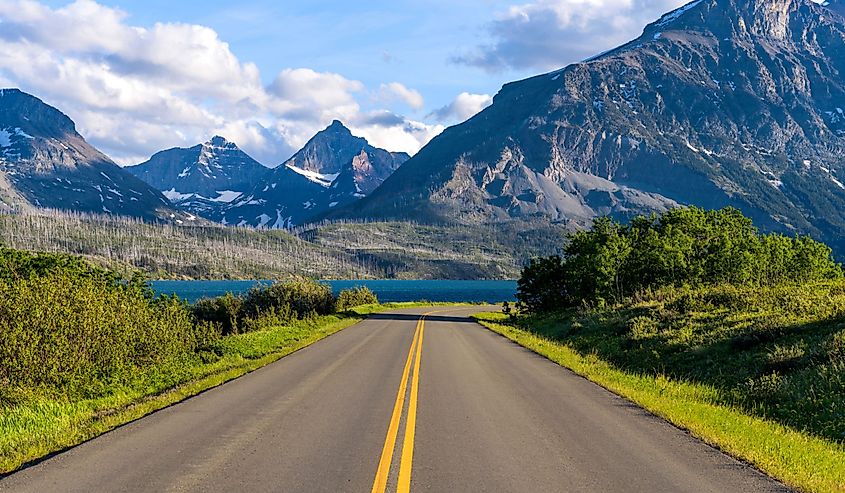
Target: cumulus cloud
{"points": [[395, 91], [549, 34], [403, 136], [134, 90], [464, 106]]}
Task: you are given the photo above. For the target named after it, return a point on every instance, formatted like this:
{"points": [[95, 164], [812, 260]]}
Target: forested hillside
{"points": [[341, 250]]}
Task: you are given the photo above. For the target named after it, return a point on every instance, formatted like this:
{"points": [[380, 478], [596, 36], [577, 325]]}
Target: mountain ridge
{"points": [[204, 178], [718, 103], [334, 168], [46, 163]]}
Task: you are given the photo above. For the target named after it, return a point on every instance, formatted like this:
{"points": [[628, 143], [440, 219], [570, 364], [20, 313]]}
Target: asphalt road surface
{"points": [[370, 409]]}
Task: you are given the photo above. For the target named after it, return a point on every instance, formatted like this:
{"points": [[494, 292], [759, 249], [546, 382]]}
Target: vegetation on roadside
{"points": [[358, 296], [83, 350], [746, 329]]}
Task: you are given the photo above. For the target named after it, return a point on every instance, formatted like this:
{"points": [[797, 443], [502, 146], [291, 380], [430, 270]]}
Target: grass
{"points": [[698, 366]]}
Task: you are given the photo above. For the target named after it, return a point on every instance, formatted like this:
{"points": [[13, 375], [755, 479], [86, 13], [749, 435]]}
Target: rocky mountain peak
{"points": [[337, 126], [32, 116], [333, 169], [220, 142], [204, 178], [45, 163], [329, 150]]}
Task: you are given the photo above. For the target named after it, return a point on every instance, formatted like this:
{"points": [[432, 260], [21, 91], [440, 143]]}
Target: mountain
{"points": [[333, 169], [334, 151], [202, 179], [45, 163], [718, 103], [837, 6]]}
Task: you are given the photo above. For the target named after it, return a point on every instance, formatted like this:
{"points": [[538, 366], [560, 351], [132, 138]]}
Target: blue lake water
{"points": [[387, 291]]}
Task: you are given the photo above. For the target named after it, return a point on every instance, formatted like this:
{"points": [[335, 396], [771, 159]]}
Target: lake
{"points": [[387, 290]]}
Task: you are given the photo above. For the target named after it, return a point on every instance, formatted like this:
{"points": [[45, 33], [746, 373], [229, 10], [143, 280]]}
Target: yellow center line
{"points": [[411, 422], [380, 483], [407, 459]]}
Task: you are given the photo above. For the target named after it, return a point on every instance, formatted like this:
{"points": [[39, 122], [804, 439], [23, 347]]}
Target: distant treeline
{"points": [[327, 251], [687, 247]]}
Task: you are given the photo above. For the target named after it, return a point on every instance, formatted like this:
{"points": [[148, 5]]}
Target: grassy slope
{"points": [[753, 372]]}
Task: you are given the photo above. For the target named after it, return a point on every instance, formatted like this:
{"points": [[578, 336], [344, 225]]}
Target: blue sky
{"points": [[138, 77], [411, 42]]}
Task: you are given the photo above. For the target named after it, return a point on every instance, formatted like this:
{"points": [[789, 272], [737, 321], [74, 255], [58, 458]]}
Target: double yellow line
{"points": [[404, 486]]}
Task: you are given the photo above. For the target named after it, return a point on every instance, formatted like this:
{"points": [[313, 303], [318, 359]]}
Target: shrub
{"points": [[543, 286], [291, 299], [64, 331], [642, 327], [350, 298], [834, 347], [224, 311]]}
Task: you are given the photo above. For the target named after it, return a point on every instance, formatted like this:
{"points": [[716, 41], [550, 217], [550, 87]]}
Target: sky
{"points": [[139, 77]]}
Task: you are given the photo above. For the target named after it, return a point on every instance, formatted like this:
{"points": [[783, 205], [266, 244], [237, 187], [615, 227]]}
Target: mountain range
{"points": [[718, 103], [333, 169], [219, 181]]}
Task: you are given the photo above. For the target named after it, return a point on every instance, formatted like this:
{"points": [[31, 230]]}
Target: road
{"points": [[371, 410]]}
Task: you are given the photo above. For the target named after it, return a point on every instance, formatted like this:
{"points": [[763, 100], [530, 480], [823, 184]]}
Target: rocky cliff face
{"points": [[45, 163], [202, 179], [721, 102]]}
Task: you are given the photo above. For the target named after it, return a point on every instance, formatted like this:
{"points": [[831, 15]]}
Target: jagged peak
{"points": [[336, 124], [219, 142]]}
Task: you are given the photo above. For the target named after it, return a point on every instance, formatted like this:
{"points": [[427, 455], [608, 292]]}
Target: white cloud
{"points": [[303, 92], [548, 34], [463, 107], [135, 90], [396, 91], [403, 135]]}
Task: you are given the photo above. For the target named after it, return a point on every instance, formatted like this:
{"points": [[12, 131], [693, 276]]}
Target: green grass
{"points": [[673, 375]]}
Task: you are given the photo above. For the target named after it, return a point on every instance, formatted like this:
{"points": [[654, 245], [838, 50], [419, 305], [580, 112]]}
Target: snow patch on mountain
{"points": [[174, 196], [319, 178], [671, 16]]}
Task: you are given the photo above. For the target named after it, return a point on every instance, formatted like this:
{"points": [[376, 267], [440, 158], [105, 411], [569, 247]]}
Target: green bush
{"points": [[357, 296], [68, 332], [542, 287], [289, 300], [15, 264], [834, 348], [224, 312]]}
